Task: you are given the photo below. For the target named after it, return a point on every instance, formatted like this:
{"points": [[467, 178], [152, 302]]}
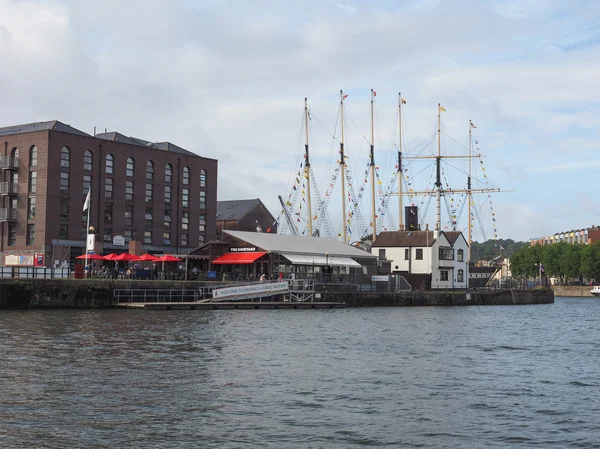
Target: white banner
{"points": [[90, 245], [380, 278], [249, 291]]}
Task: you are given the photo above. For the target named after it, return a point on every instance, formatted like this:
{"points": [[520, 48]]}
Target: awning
{"points": [[238, 258], [303, 259]]}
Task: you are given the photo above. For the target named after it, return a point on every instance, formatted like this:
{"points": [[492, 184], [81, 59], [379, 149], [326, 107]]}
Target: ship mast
{"points": [[307, 169], [373, 216], [438, 177], [342, 170], [400, 161], [469, 190]]}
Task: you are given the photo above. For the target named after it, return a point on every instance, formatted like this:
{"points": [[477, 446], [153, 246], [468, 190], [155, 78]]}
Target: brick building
{"points": [[585, 236], [157, 194], [245, 215]]}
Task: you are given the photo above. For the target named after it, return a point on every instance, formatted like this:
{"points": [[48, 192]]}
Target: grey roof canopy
{"points": [[236, 209], [53, 125], [291, 244]]}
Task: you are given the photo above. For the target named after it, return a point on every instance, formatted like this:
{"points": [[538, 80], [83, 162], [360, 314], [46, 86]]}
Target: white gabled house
{"points": [[434, 259]]}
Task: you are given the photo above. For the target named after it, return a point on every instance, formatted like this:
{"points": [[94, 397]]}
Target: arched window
{"points": [[87, 160], [33, 153], [460, 256], [14, 152], [186, 176], [202, 178], [65, 157], [168, 173], [460, 276], [130, 166], [110, 164], [150, 170]]}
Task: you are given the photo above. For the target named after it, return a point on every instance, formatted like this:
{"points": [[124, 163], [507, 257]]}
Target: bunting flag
{"points": [[374, 93], [345, 96], [473, 126], [442, 109], [403, 101]]}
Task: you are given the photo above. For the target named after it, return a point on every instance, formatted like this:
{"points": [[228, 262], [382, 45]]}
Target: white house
{"points": [[436, 259]]}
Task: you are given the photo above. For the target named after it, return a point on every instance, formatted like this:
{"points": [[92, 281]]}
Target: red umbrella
{"points": [[126, 257], [90, 257], [168, 258], [110, 256], [147, 258]]}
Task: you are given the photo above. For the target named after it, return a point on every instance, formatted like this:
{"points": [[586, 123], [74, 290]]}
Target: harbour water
{"points": [[439, 377]]}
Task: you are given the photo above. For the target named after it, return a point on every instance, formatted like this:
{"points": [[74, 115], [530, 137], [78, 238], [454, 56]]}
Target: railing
{"points": [[156, 295], [8, 214], [9, 163], [9, 188], [35, 273]]}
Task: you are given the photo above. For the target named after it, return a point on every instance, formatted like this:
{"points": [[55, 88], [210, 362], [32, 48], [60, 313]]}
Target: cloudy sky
{"points": [[227, 79]]}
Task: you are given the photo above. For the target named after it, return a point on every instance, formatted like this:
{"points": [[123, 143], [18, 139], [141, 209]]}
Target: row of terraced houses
{"points": [[157, 194]]}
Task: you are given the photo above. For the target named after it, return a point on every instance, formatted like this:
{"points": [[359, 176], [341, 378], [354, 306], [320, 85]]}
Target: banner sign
{"points": [[243, 250], [90, 245], [249, 291], [380, 278]]}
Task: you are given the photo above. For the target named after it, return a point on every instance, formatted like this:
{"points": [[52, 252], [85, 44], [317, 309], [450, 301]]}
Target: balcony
{"points": [[9, 163], [8, 215], [9, 188]]}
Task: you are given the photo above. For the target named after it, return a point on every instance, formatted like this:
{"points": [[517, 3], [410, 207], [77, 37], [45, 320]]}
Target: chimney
{"points": [[427, 226]]}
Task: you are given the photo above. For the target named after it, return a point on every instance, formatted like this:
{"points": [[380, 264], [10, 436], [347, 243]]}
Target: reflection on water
{"points": [[384, 377]]}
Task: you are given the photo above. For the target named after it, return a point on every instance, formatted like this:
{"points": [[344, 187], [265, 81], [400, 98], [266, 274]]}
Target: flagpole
{"points": [[469, 190], [343, 169], [307, 169], [373, 205], [400, 173], [87, 228]]}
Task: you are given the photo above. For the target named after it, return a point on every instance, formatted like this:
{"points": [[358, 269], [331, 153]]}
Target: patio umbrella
{"points": [[90, 257], [146, 258], [126, 257], [110, 256], [167, 258]]}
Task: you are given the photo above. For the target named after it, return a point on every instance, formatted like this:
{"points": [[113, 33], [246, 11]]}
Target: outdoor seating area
{"points": [[130, 266]]}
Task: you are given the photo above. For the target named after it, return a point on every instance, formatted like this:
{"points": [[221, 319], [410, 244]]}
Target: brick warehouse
{"points": [[157, 194]]}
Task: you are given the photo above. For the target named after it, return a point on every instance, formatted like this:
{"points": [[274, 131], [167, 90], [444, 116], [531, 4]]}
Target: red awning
{"points": [[238, 258]]}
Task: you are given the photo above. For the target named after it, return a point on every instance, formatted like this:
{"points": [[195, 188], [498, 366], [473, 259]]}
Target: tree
{"points": [[590, 261]]}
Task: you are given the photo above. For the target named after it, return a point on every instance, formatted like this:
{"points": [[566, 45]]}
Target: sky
{"points": [[227, 79]]}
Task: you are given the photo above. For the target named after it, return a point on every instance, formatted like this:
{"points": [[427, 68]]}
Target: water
{"points": [[462, 377]]}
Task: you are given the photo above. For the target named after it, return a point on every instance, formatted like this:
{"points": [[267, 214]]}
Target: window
{"points": [[87, 183], [108, 213], [444, 275], [87, 160], [166, 238], [167, 196], [128, 234], [31, 208], [407, 254], [33, 157], [129, 167], [128, 215], [202, 226], [64, 182], [148, 193], [128, 190], [30, 234], [382, 253], [148, 237], [185, 221], [150, 171], [186, 176], [202, 200], [168, 173], [148, 217], [63, 231], [202, 178], [15, 153], [201, 239], [64, 209], [108, 235], [446, 254], [65, 157], [12, 234], [460, 275], [167, 218], [32, 181], [419, 254], [13, 203], [110, 163], [108, 188], [460, 255], [184, 239], [185, 198]]}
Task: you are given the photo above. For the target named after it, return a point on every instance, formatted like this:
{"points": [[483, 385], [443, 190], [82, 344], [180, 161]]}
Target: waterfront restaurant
{"points": [[247, 255]]}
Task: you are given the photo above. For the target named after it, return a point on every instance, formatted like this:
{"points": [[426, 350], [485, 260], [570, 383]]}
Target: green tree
{"points": [[590, 261]]}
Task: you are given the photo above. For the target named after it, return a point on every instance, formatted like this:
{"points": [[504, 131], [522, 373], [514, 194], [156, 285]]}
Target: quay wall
{"points": [[573, 290], [70, 293]]}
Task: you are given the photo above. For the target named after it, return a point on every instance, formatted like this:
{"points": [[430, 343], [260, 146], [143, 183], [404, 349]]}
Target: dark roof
{"points": [[452, 236], [403, 239], [489, 270], [165, 146], [236, 209], [207, 244], [53, 125]]}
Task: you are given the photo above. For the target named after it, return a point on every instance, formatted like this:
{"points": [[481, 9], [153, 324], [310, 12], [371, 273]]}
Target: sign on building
{"points": [[118, 240]]}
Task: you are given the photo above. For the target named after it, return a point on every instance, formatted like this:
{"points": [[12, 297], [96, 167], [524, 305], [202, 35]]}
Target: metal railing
{"points": [[7, 214], [9, 162], [9, 188], [156, 295], [35, 273]]}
